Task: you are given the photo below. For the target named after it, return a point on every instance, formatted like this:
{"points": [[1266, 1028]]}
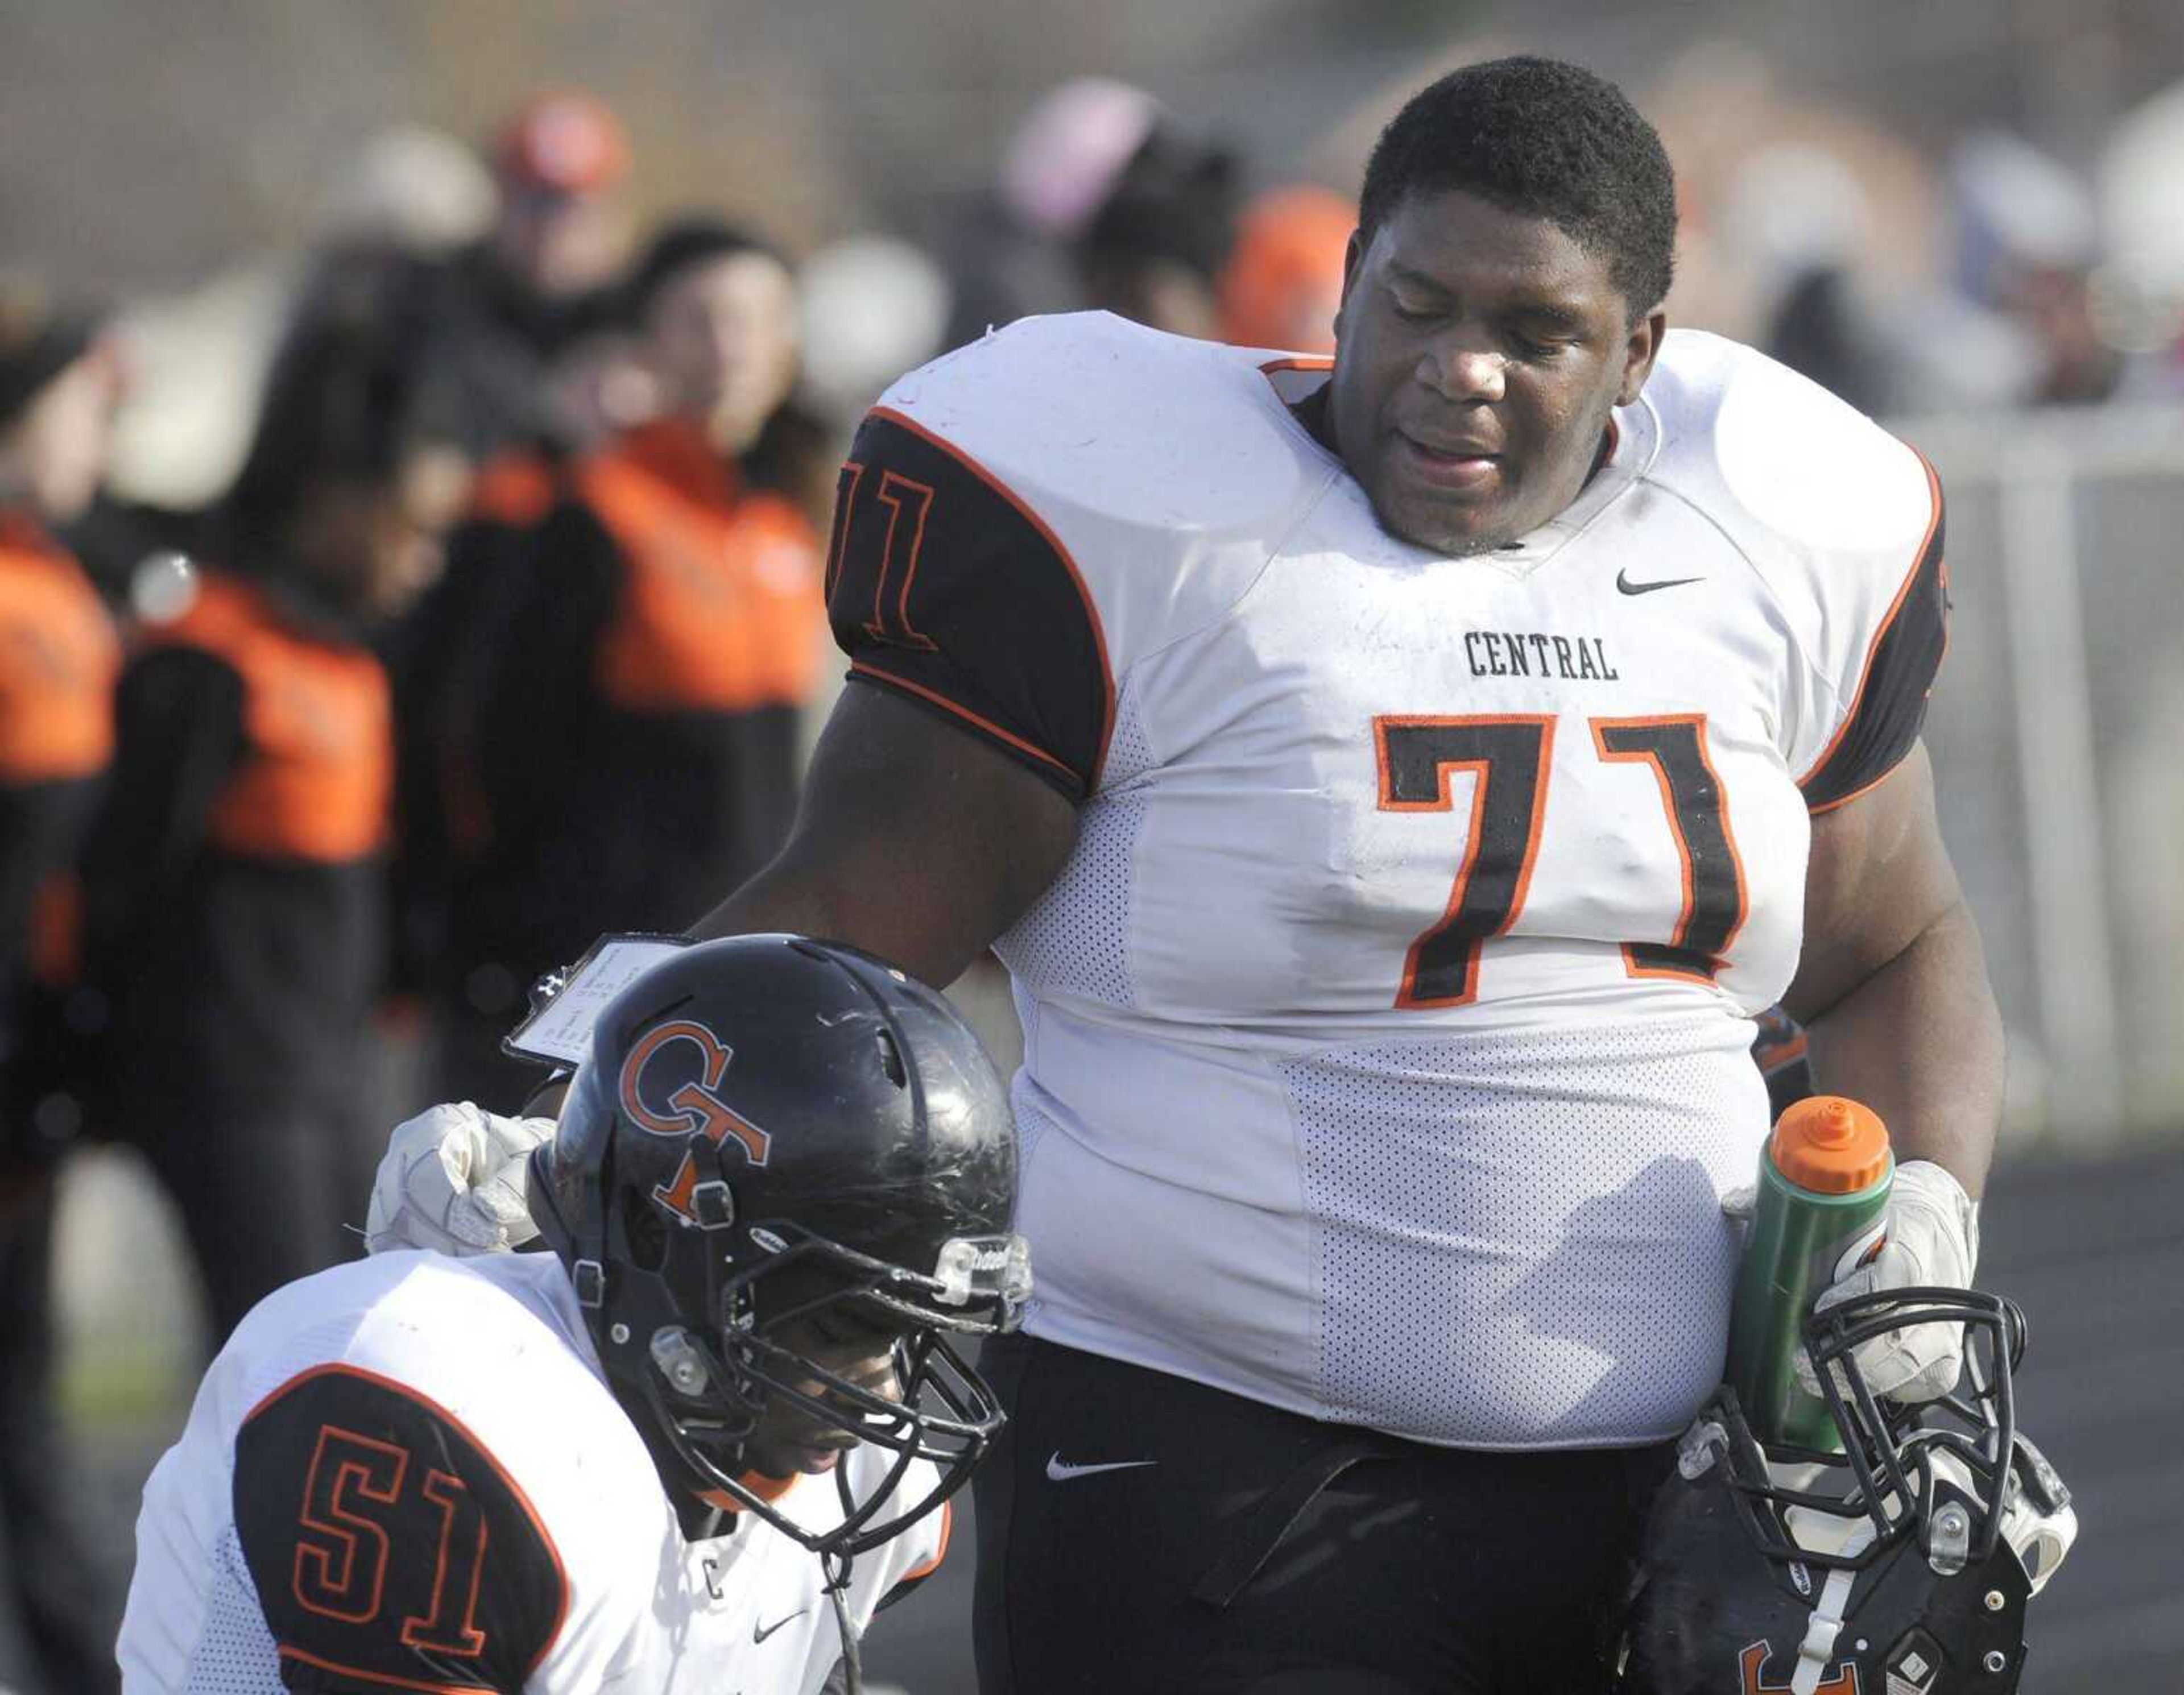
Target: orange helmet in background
{"points": [[1283, 280]]}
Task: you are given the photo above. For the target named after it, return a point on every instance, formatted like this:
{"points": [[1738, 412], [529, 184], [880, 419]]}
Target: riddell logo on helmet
{"points": [[1753, 1663], [689, 1107]]}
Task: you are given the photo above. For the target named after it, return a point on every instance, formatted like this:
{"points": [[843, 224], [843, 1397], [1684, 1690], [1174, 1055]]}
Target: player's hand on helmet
{"points": [[453, 1178], [1933, 1241]]}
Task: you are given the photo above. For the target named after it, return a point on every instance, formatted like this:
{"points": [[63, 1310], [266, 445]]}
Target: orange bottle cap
{"points": [[1830, 1146]]}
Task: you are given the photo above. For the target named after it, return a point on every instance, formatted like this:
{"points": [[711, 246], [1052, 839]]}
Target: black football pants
{"points": [[1138, 1532]]}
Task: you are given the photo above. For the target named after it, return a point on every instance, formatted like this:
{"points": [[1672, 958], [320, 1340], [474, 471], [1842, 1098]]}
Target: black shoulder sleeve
{"points": [[1889, 708], [945, 587], [388, 1548]]}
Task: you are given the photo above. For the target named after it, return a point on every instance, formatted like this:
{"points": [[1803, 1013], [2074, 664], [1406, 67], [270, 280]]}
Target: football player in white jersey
{"points": [[1396, 783], [692, 1447]]}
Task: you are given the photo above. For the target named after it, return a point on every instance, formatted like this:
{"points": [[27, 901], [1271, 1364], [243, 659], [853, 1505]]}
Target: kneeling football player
{"points": [[695, 1446]]}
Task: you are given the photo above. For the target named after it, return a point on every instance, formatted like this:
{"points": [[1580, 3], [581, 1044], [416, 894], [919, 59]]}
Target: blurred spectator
{"points": [[2027, 243], [2015, 324], [1796, 217], [636, 745], [601, 382], [57, 659], [484, 322], [1283, 283], [558, 235], [1103, 201], [1819, 328], [1983, 298], [2055, 307], [397, 207], [444, 655], [234, 903], [1008, 252], [1162, 235]]}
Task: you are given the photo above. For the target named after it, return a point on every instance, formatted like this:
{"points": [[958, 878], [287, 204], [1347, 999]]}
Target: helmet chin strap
{"points": [[1833, 1535], [836, 1568], [1818, 1650]]}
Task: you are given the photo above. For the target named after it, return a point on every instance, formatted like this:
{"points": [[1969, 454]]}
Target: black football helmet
{"points": [[1899, 1566], [773, 1135]]}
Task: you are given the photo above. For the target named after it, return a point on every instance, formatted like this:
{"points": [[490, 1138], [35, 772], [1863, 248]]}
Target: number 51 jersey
{"points": [[407, 1473], [1386, 1031]]}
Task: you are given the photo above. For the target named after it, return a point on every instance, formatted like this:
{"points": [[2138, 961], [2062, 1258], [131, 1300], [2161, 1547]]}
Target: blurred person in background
{"points": [[234, 882], [2027, 243], [488, 319], [2014, 325], [1154, 251], [392, 211], [1283, 282], [59, 657], [1801, 226], [663, 637], [443, 656], [1008, 250], [559, 236], [1106, 202]]}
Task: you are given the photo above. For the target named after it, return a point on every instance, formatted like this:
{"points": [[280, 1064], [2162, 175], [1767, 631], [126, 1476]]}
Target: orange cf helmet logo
{"points": [[1842, 1680], [691, 1108]]}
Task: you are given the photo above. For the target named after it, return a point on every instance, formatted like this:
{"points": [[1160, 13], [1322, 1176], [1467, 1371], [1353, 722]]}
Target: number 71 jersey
{"points": [[1420, 905]]}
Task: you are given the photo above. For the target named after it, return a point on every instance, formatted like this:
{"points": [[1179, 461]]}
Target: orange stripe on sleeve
{"points": [[363, 1676], [987, 724], [1828, 806], [927, 1568], [1880, 636]]}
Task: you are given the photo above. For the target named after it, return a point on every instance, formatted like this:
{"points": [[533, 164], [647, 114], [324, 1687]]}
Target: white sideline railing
{"points": [[2043, 478]]}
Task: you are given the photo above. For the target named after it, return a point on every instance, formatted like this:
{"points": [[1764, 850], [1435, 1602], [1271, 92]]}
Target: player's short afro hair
{"points": [[1551, 139]]}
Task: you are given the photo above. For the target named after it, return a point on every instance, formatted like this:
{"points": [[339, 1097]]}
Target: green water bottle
{"points": [[1820, 1212]]}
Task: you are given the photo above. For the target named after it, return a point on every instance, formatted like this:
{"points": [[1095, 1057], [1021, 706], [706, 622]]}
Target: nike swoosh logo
{"points": [[1061, 1471], [1622, 582], [760, 1632]]}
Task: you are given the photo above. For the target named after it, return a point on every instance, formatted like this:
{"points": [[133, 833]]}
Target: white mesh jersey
{"points": [[408, 1473], [1386, 1032]]}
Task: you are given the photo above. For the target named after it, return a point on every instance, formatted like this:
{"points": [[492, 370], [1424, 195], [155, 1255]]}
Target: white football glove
{"points": [[1933, 1240], [453, 1178]]}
